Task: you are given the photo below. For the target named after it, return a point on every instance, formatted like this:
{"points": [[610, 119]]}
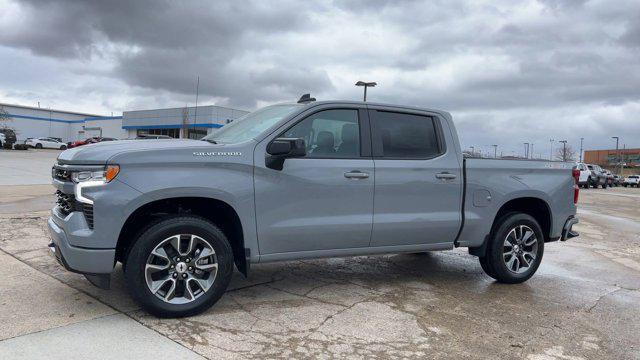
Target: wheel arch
{"points": [[536, 207], [215, 210]]}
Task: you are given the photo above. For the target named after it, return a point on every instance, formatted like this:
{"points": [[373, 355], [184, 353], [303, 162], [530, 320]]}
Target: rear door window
{"points": [[404, 136]]}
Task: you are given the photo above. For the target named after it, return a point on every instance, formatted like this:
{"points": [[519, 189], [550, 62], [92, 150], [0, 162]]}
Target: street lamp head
{"points": [[369, 84]]}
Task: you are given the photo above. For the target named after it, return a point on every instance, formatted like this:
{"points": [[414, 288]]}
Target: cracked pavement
{"points": [[583, 303]]}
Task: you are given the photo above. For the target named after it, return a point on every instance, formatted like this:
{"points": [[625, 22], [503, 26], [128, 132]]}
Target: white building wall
{"points": [[69, 126]]}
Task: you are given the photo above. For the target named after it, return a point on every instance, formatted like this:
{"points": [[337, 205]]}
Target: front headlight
{"points": [[90, 178], [104, 175]]}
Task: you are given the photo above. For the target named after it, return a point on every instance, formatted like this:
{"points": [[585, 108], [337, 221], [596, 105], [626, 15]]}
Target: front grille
{"points": [[67, 204], [87, 209]]}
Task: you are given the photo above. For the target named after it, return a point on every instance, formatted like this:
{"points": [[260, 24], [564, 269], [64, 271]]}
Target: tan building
{"points": [[610, 157]]}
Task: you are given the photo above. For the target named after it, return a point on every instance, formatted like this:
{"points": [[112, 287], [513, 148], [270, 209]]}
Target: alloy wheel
{"points": [[520, 249], [181, 268]]}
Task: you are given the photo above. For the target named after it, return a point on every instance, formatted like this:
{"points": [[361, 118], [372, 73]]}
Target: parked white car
{"points": [[583, 180], [631, 180], [2, 139], [46, 143]]}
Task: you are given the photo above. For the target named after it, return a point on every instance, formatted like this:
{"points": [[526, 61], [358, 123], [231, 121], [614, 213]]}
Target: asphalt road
{"points": [[584, 302]]}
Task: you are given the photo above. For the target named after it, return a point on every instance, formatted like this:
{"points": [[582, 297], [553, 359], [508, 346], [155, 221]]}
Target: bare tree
{"points": [[185, 122], [4, 118], [566, 153]]}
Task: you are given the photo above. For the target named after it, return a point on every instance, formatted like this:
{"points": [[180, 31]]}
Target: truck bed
{"points": [[489, 184]]}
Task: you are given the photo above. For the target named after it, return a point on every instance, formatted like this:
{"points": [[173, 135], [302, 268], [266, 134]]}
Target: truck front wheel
{"points": [[515, 249], [179, 266]]}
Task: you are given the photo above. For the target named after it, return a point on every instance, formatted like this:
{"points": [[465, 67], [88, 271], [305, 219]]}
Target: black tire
{"points": [[38, 146], [63, 147], [590, 183], [604, 185], [157, 232], [493, 263], [484, 264]]}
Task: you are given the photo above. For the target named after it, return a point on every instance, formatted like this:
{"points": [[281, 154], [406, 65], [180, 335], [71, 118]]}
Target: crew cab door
{"points": [[324, 200], [418, 190]]}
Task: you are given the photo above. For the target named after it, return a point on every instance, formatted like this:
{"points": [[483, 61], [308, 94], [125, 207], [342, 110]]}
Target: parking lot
{"points": [[583, 303]]}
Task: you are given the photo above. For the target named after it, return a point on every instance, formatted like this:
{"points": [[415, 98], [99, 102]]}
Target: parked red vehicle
{"points": [[90, 140]]}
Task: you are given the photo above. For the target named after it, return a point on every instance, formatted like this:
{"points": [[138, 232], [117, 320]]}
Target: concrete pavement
{"points": [[26, 167], [583, 303]]}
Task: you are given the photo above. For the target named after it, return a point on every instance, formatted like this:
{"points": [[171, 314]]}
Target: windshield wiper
{"points": [[211, 141]]}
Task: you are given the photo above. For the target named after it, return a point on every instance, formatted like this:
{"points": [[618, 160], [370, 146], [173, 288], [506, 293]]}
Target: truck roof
{"points": [[353, 102]]}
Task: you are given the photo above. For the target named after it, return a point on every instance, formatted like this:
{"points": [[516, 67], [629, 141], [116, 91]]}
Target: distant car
{"points": [[583, 179], [91, 140], [46, 143], [152, 137], [617, 180], [631, 180], [597, 177], [610, 178]]}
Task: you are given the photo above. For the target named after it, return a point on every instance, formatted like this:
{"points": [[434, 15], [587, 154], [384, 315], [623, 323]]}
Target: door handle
{"points": [[445, 175], [356, 174]]}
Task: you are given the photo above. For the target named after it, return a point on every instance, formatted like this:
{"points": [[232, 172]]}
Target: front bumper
{"points": [[95, 264], [567, 230]]}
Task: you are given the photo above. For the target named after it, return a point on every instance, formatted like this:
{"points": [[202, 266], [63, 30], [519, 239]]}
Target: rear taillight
{"points": [[576, 175], [576, 188]]}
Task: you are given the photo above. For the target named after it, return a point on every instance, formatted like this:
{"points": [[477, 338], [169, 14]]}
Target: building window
{"points": [[174, 133]]}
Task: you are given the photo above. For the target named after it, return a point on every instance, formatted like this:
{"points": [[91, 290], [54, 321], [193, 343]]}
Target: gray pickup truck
{"points": [[295, 181]]}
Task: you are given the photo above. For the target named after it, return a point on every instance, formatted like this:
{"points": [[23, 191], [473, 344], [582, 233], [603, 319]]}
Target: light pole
{"points": [[564, 149], [617, 151], [581, 139], [366, 85], [551, 151], [495, 151]]}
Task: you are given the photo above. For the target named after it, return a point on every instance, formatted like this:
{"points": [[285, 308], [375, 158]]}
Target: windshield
{"points": [[251, 125]]}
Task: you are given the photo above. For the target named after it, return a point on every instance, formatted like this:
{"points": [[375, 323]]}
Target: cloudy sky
{"points": [[509, 71]]}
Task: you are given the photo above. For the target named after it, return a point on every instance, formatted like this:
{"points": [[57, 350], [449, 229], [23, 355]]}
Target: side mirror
{"points": [[282, 148]]}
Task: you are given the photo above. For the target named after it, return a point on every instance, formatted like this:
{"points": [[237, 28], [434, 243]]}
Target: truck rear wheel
{"points": [[179, 266], [515, 249]]}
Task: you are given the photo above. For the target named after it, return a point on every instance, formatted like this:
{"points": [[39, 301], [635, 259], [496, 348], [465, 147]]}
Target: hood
{"points": [[99, 153]]}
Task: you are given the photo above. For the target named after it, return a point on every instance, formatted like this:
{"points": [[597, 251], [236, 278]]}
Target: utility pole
{"points": [[564, 149], [495, 151], [581, 139], [624, 151], [617, 149], [551, 151]]}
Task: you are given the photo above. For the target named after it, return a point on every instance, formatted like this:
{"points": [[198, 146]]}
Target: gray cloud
{"points": [[557, 68]]}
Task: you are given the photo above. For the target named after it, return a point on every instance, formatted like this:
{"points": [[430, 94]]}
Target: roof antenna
{"points": [[306, 98]]}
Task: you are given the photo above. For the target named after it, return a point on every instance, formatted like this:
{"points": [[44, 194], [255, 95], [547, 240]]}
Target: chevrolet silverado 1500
{"points": [[294, 181]]}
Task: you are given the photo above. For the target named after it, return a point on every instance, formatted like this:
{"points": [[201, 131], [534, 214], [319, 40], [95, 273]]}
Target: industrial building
{"points": [[609, 157], [186, 122], [191, 122], [31, 121]]}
